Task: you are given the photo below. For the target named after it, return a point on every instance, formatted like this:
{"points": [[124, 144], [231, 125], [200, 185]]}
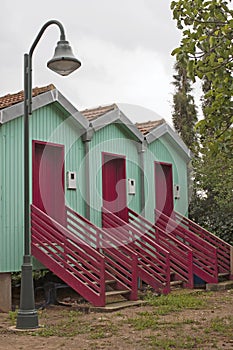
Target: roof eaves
{"points": [[146, 127], [132, 127], [114, 116], [69, 107], [12, 112], [166, 129], [41, 100], [105, 119]]}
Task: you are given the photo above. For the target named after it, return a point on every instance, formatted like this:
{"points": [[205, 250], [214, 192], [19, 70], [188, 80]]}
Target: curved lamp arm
{"points": [[41, 32]]}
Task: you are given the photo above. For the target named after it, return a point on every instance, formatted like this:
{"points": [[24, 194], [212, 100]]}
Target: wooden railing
{"points": [[223, 248], [69, 257], [181, 258], [154, 262], [205, 264], [121, 263]]}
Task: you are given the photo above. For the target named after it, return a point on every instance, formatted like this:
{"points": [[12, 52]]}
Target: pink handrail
{"points": [[71, 259], [223, 248], [204, 254], [154, 263], [181, 259], [121, 263]]}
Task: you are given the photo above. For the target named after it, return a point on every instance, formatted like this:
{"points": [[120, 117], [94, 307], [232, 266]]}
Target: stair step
{"points": [[176, 283], [142, 265], [93, 282], [108, 282], [223, 274], [118, 306], [116, 292], [84, 272], [226, 285]]}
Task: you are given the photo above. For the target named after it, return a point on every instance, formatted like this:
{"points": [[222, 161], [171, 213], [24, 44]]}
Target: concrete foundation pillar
{"points": [[5, 292]]}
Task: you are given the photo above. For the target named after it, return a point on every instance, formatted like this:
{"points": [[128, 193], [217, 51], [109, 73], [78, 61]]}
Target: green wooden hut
{"points": [[114, 174], [166, 165], [55, 123]]}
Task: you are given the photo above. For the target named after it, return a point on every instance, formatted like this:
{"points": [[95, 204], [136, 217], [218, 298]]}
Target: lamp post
{"points": [[63, 63]]}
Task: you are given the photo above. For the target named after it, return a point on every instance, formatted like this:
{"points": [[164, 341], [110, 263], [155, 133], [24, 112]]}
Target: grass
{"points": [[175, 302], [13, 316], [68, 325], [144, 321], [164, 305], [220, 325], [180, 320], [72, 324], [183, 343], [150, 320]]}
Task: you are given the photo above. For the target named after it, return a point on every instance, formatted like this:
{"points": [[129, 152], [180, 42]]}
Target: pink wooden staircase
{"points": [[181, 256], [154, 260], [79, 256], [98, 263], [212, 257]]}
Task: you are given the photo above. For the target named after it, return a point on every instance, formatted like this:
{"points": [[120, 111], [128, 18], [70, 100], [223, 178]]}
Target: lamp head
{"points": [[63, 61]]}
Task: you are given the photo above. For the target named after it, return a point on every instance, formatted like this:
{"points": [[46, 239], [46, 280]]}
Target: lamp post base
{"points": [[27, 317]]}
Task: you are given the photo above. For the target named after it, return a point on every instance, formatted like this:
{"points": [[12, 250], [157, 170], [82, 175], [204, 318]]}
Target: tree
{"points": [[212, 201], [206, 51], [184, 114]]}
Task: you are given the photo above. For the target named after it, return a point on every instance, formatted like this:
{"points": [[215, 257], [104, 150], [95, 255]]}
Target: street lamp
{"points": [[63, 63]]}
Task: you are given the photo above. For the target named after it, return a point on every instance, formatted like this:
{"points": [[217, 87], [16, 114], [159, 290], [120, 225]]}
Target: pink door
{"points": [[114, 185], [164, 187], [48, 179]]}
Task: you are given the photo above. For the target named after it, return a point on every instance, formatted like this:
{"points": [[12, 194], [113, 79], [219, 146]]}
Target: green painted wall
{"points": [[164, 151], [49, 124], [52, 125], [112, 139], [11, 225]]}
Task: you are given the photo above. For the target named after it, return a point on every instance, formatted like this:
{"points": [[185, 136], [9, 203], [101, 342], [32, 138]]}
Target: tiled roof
{"points": [[11, 99], [146, 127], [94, 113], [89, 114]]}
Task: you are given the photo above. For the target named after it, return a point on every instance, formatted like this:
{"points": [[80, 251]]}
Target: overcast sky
{"points": [[124, 46]]}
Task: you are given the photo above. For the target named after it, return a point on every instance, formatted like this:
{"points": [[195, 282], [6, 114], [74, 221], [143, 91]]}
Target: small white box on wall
{"points": [[71, 180], [177, 191], [131, 186]]}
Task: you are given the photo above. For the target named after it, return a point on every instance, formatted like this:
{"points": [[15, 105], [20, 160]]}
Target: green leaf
{"points": [[175, 51]]}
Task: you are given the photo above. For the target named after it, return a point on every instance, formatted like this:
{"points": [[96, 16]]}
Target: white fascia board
{"points": [[105, 119], [69, 107], [42, 100], [115, 116], [166, 129], [1, 122], [131, 126]]}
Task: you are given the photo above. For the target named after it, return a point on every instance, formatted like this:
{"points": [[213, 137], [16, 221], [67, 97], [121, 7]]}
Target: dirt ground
{"points": [[205, 325]]}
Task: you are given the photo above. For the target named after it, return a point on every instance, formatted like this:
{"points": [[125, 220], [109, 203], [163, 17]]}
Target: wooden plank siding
{"points": [[49, 123], [162, 150], [11, 224], [112, 139]]}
